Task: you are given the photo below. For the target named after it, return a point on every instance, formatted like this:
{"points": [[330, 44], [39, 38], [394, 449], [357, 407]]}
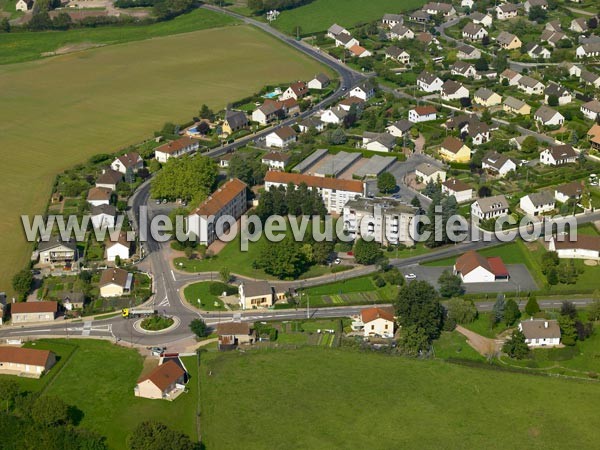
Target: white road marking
{"points": [[87, 328], [165, 302], [173, 274]]}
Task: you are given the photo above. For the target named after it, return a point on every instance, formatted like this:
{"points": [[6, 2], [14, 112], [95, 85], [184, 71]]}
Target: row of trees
{"points": [[261, 6], [284, 200]]}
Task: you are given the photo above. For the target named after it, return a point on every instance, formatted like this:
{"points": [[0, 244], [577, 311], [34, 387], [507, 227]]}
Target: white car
{"points": [[410, 276], [337, 261]]}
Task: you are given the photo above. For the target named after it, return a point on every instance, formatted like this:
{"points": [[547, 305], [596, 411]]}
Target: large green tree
{"points": [[199, 327], [188, 178], [285, 259], [532, 307], [21, 282], [386, 182], [152, 435], [248, 167], [461, 311], [511, 312], [367, 252], [450, 284], [417, 305], [515, 346]]}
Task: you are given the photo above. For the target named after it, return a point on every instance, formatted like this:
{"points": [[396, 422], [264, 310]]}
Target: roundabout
{"points": [[137, 326]]}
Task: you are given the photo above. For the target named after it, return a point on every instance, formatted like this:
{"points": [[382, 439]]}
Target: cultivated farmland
{"points": [[58, 112], [321, 14], [327, 398]]}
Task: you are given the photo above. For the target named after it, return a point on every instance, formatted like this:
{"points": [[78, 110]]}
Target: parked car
{"points": [[337, 261], [410, 276]]}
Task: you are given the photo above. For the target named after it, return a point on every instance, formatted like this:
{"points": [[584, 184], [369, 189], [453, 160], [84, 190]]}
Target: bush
{"points": [[379, 282]]}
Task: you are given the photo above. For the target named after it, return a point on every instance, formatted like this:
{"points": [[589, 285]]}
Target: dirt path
{"points": [[483, 345]]}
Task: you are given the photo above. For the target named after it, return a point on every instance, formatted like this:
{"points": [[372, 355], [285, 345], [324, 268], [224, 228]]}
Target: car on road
{"points": [[337, 261], [157, 351], [410, 276], [158, 201]]}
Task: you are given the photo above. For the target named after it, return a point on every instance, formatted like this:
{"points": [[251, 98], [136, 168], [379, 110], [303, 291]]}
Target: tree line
{"points": [[262, 6]]}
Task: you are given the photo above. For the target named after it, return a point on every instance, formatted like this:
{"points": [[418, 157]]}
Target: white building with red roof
{"points": [[474, 268], [375, 322]]}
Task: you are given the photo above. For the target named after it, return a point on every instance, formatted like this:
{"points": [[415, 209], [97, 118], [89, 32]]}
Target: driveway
{"points": [[520, 279]]}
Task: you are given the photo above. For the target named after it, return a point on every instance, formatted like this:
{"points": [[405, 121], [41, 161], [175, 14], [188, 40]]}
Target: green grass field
{"points": [[510, 253], [99, 379], [325, 399], [59, 111], [321, 14], [209, 302], [19, 47]]}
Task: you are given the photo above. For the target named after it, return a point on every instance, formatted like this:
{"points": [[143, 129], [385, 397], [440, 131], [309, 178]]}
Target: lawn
{"points": [[25, 46], [510, 253], [104, 392], [358, 291], [209, 302], [319, 15], [411, 403], [109, 103], [454, 345], [481, 326]]}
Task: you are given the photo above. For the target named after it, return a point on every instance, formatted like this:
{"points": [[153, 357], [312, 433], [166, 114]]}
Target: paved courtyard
{"points": [[520, 279]]}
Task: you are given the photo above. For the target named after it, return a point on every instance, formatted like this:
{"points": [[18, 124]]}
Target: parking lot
{"points": [[520, 279]]}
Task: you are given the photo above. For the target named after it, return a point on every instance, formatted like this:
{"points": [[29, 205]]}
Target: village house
{"points": [[25, 362], [573, 69], [268, 112], [334, 115], [99, 196], [397, 54], [482, 19], [471, 267], [553, 38], [120, 247], [422, 114], [428, 82], [386, 221], [506, 11], [232, 334], [346, 40], [359, 52], [311, 123], [174, 149], [474, 32], [467, 3], [281, 138], [365, 91], [319, 82], [562, 93], [511, 76], [115, 282], [378, 142], [461, 191], [463, 69], [497, 163], [540, 332], [579, 25], [435, 8], [553, 25], [516, 106], [103, 216], [225, 159], [508, 41], [426, 173], [375, 322], [590, 78], [335, 192], [528, 4], [490, 207], [569, 191], [234, 121], [164, 382], [399, 32], [276, 160], [72, 300], [537, 203], [24, 5], [256, 294], [583, 247], [487, 98], [455, 150], [558, 155], [347, 103], [536, 51], [399, 128], [56, 251], [452, 90], [591, 109], [297, 91], [466, 51], [229, 200], [593, 135], [419, 16], [30, 312], [548, 116], [128, 163], [391, 20], [335, 30], [588, 50], [109, 179]]}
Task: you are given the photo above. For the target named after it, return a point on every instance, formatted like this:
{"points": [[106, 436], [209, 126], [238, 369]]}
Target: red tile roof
{"points": [[223, 196], [312, 181], [370, 314], [28, 356], [33, 307], [425, 110], [175, 146], [497, 266], [164, 375]]}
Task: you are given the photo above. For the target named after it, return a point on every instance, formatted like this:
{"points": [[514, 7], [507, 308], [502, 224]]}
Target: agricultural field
{"points": [[319, 15], [412, 404], [48, 125], [361, 290], [104, 392]]}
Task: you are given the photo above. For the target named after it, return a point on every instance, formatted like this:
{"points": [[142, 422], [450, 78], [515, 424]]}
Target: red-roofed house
{"points": [[377, 322], [128, 162], [175, 149], [164, 382], [474, 268], [27, 362], [422, 114], [229, 200], [296, 91]]}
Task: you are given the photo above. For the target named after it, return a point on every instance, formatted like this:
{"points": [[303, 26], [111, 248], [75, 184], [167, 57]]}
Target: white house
{"points": [[397, 54], [131, 162], [175, 149], [435, 8], [588, 50], [121, 248], [269, 111], [548, 116], [319, 82], [375, 322], [463, 69], [471, 267], [422, 114], [428, 172], [281, 138], [276, 160], [400, 32], [378, 142], [536, 51], [579, 25], [346, 40], [99, 196], [497, 163], [428, 82], [490, 207], [583, 247], [115, 282], [528, 4], [569, 191], [591, 109], [537, 203], [452, 90], [335, 30], [558, 155], [590, 78], [540, 332], [296, 90], [391, 20], [399, 128], [333, 115], [484, 19], [506, 11], [562, 93], [466, 51], [109, 179], [103, 216], [24, 5], [461, 191], [467, 3], [359, 52], [364, 91], [530, 85], [474, 32]]}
